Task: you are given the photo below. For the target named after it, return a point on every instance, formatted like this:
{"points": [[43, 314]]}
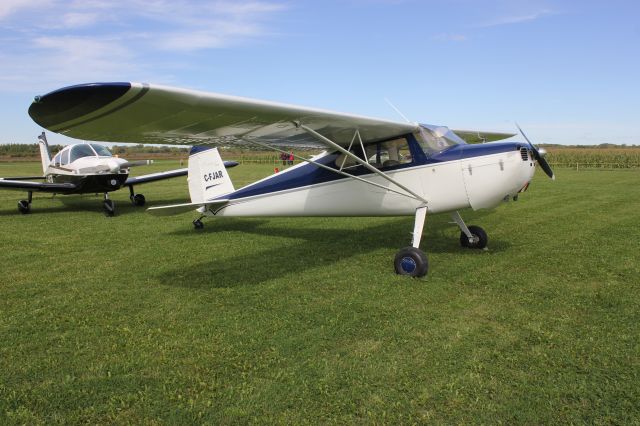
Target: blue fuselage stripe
{"points": [[309, 174]]}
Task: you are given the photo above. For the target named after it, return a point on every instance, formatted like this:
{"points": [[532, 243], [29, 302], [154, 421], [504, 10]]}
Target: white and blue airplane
{"points": [[370, 167]]}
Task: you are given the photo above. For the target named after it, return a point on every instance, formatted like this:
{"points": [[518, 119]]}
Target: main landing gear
{"points": [[24, 206], [109, 206], [413, 262], [197, 224], [137, 200]]}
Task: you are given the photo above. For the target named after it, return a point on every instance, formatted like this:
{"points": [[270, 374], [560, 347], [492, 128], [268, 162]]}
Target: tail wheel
{"points": [[480, 238], [412, 262]]}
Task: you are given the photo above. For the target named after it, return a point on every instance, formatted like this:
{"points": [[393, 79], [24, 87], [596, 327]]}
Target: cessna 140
{"points": [[85, 168], [370, 167]]}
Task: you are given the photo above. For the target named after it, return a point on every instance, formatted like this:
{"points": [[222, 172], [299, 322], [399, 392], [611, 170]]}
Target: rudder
{"points": [[207, 175], [45, 155]]}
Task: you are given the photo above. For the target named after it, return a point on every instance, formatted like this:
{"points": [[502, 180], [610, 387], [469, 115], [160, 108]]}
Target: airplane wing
{"points": [[22, 185], [143, 113], [472, 136], [153, 177], [24, 178]]}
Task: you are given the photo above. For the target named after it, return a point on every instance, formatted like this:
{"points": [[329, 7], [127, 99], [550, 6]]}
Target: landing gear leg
{"points": [[109, 206], [138, 200], [412, 261], [472, 236], [24, 206]]}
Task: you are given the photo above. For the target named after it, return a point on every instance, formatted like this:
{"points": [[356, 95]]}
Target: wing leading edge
{"points": [[23, 185]]}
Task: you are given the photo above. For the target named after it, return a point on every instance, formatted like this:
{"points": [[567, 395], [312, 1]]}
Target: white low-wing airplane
{"points": [[85, 168], [371, 167]]}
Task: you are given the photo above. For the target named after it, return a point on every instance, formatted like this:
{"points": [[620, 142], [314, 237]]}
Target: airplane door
{"points": [[444, 187]]}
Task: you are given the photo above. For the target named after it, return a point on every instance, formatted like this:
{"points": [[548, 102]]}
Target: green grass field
{"points": [[138, 319]]}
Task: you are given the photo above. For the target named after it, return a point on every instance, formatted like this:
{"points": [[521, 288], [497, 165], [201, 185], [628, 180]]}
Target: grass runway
{"points": [[138, 319]]}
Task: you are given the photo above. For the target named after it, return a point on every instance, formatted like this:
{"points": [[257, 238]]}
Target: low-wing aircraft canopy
{"points": [[71, 153]]}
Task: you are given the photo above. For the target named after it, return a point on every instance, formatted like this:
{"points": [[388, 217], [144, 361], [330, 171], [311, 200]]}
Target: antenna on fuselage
{"points": [[398, 111]]}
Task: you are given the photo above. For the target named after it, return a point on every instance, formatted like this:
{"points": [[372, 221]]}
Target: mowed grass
{"points": [[138, 319]]}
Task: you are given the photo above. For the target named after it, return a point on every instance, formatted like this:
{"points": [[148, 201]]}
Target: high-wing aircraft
{"points": [[370, 167], [85, 168]]}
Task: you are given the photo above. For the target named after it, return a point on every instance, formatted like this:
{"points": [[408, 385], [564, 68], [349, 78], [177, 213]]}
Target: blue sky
{"points": [[567, 71]]}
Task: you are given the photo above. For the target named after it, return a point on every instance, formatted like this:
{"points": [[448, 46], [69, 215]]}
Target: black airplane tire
{"points": [[138, 200], [109, 208], [24, 207], [412, 262], [197, 224], [482, 242]]}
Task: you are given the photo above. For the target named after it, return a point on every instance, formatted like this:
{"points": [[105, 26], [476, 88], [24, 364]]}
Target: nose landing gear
{"points": [[470, 237], [109, 206]]}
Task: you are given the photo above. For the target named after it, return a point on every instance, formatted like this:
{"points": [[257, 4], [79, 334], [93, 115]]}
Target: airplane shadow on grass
{"points": [[306, 248]]}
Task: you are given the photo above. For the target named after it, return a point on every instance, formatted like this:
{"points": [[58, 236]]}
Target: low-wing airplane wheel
{"points": [[197, 224], [481, 238], [24, 207], [138, 200], [109, 208], [411, 261]]}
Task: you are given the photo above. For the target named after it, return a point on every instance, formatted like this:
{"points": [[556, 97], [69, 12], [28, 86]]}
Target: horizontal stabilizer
{"points": [[183, 208]]}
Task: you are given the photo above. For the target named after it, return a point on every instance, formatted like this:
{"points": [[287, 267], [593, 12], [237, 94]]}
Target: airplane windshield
{"points": [[81, 150], [434, 139], [102, 151]]}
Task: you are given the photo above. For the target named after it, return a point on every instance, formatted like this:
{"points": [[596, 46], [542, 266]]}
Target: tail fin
{"points": [[207, 176], [45, 155]]}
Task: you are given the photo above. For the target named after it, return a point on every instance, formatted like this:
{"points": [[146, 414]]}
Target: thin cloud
{"points": [[516, 19], [9, 7], [450, 37], [53, 42]]}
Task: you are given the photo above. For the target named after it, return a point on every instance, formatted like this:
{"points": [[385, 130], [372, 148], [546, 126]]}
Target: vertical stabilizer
{"points": [[208, 178], [45, 155]]}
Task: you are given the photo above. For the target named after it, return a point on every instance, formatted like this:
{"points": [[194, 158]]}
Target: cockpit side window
{"points": [[101, 150], [56, 160], [64, 156], [389, 153], [81, 150], [382, 154]]}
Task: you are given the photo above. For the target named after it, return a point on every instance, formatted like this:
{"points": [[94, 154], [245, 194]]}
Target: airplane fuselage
{"points": [[476, 176], [90, 183]]}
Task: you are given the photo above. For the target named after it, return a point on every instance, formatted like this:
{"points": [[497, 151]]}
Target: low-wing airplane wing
{"points": [[472, 136], [23, 185], [153, 177], [124, 112]]}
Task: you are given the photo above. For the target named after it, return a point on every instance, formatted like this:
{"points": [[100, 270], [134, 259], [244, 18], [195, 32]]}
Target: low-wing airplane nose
{"points": [[71, 102]]}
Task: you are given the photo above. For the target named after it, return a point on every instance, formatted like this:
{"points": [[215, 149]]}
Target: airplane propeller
{"points": [[539, 154]]}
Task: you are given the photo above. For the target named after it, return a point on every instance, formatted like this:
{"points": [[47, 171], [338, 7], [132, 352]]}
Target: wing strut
{"points": [[358, 160]]}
